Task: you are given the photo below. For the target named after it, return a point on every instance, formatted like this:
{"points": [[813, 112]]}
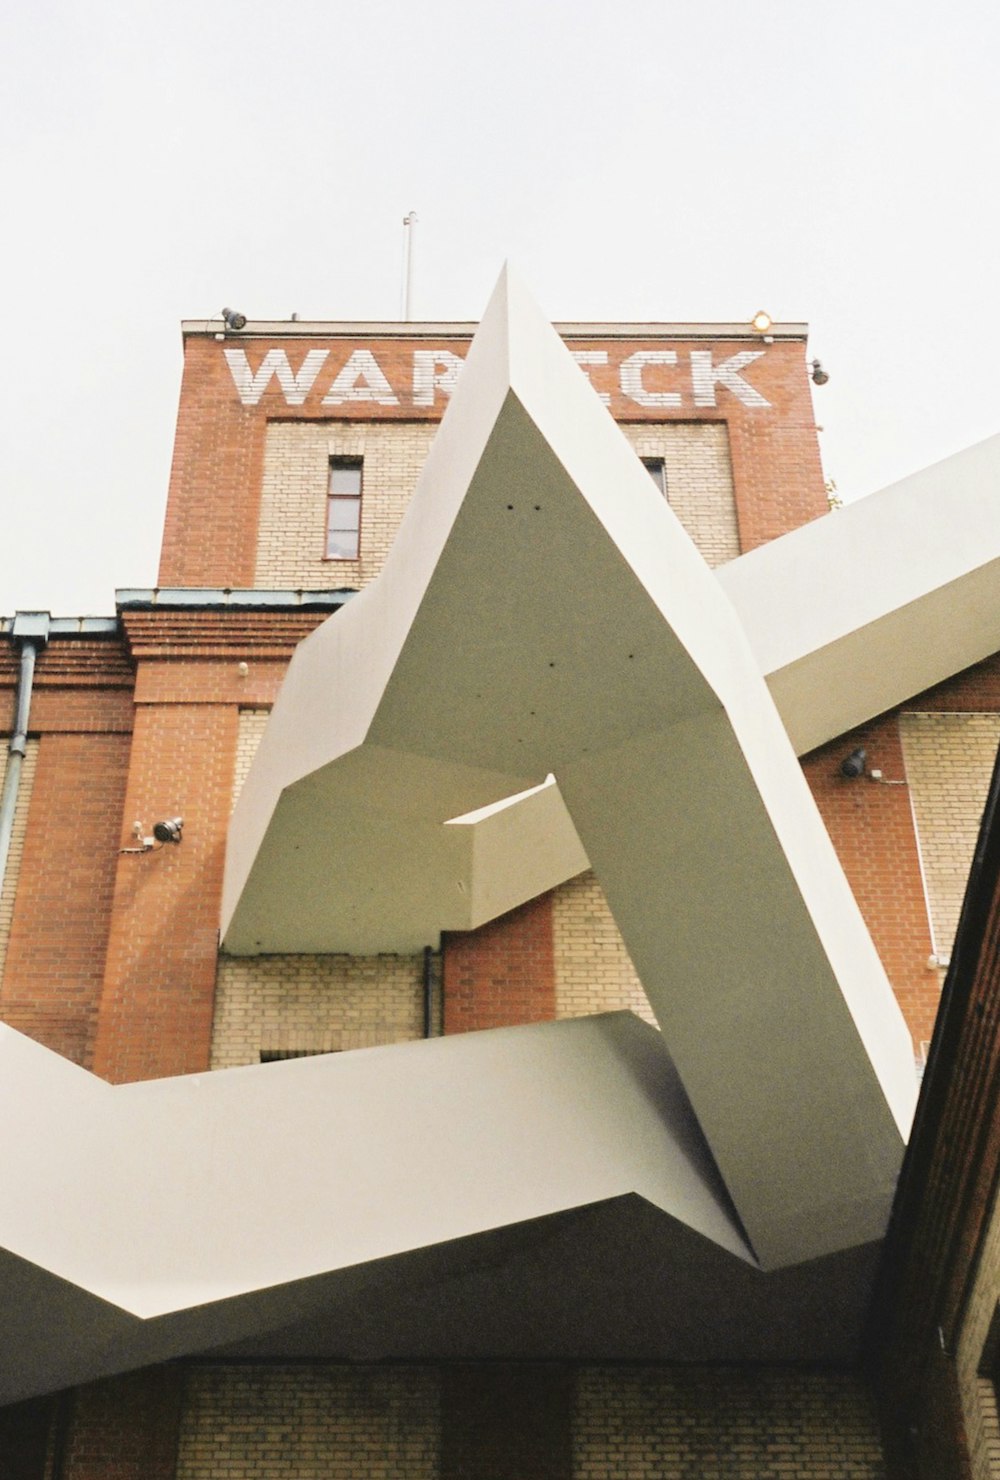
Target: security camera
{"points": [[233, 319], [168, 831], [853, 765]]}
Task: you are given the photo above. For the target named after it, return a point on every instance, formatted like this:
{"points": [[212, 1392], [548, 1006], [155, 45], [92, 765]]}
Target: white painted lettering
{"points": [[585, 357], [434, 370], [435, 375], [361, 380], [275, 363], [630, 377], [705, 377]]}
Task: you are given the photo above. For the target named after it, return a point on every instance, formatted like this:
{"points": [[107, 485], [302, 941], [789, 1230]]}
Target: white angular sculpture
{"points": [[542, 611]]}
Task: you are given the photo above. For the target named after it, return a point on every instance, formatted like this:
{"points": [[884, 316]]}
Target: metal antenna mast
{"points": [[409, 222]]}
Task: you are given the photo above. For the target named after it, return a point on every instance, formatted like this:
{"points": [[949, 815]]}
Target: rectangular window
{"points": [[279, 1055], [657, 470], [343, 509]]}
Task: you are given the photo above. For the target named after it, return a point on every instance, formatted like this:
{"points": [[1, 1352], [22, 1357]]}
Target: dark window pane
{"points": [[656, 469]]}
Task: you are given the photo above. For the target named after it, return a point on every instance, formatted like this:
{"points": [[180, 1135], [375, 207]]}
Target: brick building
{"points": [[575, 1338]]}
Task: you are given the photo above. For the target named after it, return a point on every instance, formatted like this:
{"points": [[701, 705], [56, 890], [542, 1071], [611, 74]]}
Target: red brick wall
{"points": [[777, 474], [932, 1333], [82, 709], [923, 1433], [125, 1428], [213, 506], [506, 1422], [159, 982], [24, 1434], [503, 973], [62, 915], [156, 1006], [872, 830], [978, 688]]}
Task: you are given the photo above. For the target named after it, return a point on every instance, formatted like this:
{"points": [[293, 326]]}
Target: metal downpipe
{"points": [[31, 636], [428, 992]]}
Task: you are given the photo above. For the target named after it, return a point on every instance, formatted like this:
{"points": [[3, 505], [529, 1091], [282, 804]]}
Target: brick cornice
{"points": [[74, 662], [222, 635]]}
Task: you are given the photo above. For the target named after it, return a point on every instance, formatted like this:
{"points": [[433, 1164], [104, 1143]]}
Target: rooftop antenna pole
{"points": [[409, 222]]}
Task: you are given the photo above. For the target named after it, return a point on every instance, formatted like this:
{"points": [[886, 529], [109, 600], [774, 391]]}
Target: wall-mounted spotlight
{"points": [[819, 375], [167, 831], [853, 765], [761, 322], [234, 320]]}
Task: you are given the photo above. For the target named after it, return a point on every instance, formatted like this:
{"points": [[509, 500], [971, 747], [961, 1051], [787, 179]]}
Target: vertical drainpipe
{"points": [[428, 985], [30, 632]]}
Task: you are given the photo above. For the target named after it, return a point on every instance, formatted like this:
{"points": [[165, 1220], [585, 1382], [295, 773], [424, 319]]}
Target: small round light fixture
{"points": [[819, 375], [168, 831], [762, 322], [233, 319]]}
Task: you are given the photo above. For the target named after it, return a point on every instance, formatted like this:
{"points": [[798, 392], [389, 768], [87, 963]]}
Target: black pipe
{"points": [[428, 990]]}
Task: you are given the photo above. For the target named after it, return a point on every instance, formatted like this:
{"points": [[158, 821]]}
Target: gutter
{"points": [[208, 598], [30, 632]]}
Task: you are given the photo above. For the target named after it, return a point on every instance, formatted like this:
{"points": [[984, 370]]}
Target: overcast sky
{"points": [[677, 160]]}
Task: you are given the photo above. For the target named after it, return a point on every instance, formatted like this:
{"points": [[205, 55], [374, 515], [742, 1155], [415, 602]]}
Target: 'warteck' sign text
{"points": [[656, 379]]}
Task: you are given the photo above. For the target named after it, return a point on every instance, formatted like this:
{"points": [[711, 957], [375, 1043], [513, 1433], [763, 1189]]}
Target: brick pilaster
{"points": [[503, 973], [505, 1422], [125, 1428], [156, 1006]]}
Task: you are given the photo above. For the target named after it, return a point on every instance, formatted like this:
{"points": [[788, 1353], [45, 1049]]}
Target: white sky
{"points": [[666, 161]]}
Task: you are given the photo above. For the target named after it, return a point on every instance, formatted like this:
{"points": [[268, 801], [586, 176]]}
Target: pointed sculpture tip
{"points": [[511, 287], [513, 305]]}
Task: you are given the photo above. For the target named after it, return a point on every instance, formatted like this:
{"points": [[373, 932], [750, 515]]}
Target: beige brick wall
{"points": [[949, 760], [316, 1004], [309, 1423], [253, 723], [979, 1397], [293, 500], [699, 480], [629, 1423], [593, 969], [695, 1423], [9, 888], [294, 492]]}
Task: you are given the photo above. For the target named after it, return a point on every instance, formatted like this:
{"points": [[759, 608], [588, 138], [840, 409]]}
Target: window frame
{"points": [[656, 467], [334, 500]]}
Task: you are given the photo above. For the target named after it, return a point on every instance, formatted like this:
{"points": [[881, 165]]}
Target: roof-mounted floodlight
{"points": [[761, 322], [233, 319], [819, 375]]}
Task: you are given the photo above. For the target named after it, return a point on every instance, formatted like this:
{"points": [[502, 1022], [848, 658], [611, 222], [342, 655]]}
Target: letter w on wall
{"points": [[251, 386]]}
